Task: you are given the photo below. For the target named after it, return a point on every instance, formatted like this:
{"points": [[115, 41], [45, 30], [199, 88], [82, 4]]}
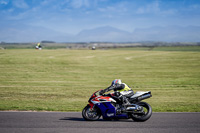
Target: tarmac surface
{"points": [[72, 122]]}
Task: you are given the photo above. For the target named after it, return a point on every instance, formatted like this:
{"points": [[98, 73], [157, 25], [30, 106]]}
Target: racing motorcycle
{"points": [[109, 106]]}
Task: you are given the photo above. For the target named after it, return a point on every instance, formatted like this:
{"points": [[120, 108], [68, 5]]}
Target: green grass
{"points": [[63, 80], [165, 48]]}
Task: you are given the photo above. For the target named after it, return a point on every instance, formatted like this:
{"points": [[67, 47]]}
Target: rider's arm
{"points": [[107, 89], [116, 87]]}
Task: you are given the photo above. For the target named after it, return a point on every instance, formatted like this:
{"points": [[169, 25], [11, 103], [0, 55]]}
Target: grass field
{"points": [[63, 80]]}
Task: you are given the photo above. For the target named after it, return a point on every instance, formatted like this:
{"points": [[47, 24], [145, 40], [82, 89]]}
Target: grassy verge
{"points": [[63, 80]]}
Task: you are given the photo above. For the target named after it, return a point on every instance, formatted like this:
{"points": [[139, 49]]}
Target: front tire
{"points": [[144, 115], [91, 115]]}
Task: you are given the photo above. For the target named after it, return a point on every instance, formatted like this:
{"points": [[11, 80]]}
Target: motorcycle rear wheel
{"points": [[91, 115], [145, 115]]}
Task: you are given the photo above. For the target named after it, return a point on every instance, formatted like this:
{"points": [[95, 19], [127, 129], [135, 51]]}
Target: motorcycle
{"points": [[110, 107]]}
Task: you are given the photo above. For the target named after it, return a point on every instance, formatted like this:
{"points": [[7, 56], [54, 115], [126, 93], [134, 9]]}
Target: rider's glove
{"points": [[101, 92]]}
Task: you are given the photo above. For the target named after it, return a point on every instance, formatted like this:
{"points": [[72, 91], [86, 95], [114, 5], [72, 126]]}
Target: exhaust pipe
{"points": [[144, 97], [130, 108], [133, 107]]}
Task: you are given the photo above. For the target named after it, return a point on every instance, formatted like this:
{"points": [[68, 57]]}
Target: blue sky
{"points": [[73, 16]]}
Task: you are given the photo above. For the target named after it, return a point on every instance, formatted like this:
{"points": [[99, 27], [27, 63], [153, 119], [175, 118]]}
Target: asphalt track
{"points": [[72, 122]]}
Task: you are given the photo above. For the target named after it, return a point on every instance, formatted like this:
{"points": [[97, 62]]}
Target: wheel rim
{"points": [[91, 114], [144, 111]]}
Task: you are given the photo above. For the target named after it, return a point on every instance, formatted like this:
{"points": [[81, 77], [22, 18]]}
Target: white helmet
{"points": [[116, 81]]}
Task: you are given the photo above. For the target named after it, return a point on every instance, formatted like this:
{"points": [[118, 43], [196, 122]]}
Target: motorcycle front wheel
{"points": [[144, 115], [91, 115]]}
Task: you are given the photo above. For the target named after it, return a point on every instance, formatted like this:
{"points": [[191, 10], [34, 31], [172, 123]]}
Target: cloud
{"points": [[20, 4], [150, 8], [196, 6], [156, 8], [3, 2], [80, 3]]}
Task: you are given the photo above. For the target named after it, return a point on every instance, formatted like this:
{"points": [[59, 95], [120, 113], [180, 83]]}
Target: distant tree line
{"points": [[90, 45]]}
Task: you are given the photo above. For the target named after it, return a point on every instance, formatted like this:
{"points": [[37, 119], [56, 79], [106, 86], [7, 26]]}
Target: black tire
{"points": [[91, 115], [142, 116]]}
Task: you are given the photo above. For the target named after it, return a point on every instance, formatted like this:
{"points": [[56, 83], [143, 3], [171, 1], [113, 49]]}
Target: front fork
{"points": [[91, 106]]}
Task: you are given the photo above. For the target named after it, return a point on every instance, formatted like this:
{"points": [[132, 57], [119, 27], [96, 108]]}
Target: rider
{"points": [[124, 89]]}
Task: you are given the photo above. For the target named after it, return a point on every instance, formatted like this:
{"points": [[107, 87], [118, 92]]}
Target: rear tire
{"points": [[141, 117], [89, 115]]}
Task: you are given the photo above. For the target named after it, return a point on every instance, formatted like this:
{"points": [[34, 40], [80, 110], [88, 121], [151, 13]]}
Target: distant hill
{"points": [[45, 41], [107, 33], [168, 33], [25, 33], [157, 33]]}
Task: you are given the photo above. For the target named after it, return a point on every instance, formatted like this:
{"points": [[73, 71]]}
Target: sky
{"points": [[73, 16]]}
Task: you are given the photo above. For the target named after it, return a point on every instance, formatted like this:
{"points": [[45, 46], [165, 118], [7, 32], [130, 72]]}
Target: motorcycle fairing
{"points": [[101, 99], [109, 111]]}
